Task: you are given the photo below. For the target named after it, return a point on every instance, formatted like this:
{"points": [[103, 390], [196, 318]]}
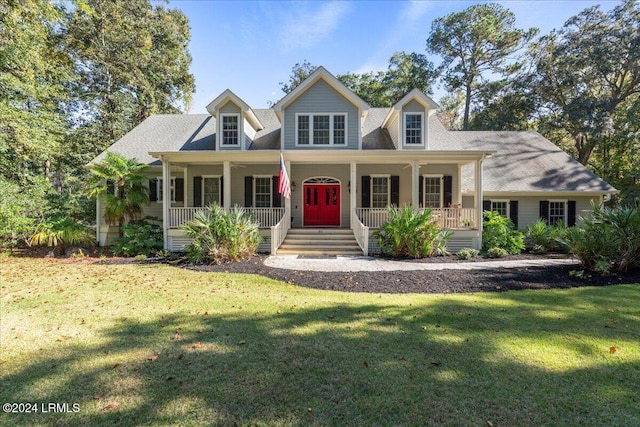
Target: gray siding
{"points": [[230, 108], [320, 98], [414, 107]]}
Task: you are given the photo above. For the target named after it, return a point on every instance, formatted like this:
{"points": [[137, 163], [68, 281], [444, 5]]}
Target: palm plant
{"points": [[130, 193], [58, 232]]}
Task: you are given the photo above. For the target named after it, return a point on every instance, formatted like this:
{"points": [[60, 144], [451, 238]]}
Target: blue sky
{"points": [[251, 46]]}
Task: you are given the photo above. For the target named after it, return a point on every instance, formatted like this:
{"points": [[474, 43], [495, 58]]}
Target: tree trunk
{"points": [[467, 106]]}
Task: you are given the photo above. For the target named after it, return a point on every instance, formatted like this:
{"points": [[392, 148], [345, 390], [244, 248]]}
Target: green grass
{"points": [[159, 345]]}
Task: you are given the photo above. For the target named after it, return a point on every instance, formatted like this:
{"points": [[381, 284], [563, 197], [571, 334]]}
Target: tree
{"points": [[368, 86], [132, 61], [505, 104], [34, 75], [299, 73], [586, 71], [476, 41], [408, 71], [124, 200]]}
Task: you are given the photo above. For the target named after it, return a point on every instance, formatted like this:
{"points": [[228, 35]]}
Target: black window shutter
{"points": [[248, 191], [395, 190], [179, 189], [366, 191], [197, 191], [221, 191], [276, 198], [420, 191], [513, 212], [448, 190], [544, 210], [571, 215], [111, 187], [153, 190], [486, 205]]}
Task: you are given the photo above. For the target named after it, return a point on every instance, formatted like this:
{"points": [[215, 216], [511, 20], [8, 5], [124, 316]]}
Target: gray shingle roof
{"points": [[524, 161]]}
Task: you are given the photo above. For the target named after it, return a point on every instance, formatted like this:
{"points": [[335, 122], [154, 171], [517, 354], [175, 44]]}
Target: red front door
{"points": [[321, 205]]}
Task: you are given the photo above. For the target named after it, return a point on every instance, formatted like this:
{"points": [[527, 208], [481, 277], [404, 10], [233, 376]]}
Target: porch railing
{"points": [[279, 232], [449, 218], [361, 232], [266, 217]]}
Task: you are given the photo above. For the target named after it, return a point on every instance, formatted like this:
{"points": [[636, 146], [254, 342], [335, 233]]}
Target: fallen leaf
{"points": [[115, 366], [98, 396], [181, 355], [243, 342], [110, 406], [169, 378], [612, 349], [610, 310], [197, 345], [152, 358], [436, 363], [177, 336], [489, 423], [365, 364]]}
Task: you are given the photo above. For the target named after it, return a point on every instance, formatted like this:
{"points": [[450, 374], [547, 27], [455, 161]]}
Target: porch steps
{"points": [[319, 241]]}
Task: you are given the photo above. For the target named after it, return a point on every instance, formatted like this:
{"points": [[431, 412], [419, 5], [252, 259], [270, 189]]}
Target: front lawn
{"points": [[160, 345]]}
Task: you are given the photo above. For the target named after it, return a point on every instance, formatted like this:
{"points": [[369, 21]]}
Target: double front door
{"points": [[321, 204]]}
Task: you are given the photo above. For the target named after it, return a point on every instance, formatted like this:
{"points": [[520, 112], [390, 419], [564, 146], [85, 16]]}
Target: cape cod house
{"points": [[347, 162]]}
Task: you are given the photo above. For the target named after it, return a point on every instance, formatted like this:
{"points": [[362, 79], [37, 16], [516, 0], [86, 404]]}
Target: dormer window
{"points": [[321, 129], [414, 128], [230, 126]]}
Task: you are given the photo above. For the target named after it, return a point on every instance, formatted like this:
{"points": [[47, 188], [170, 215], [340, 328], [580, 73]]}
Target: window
{"points": [[210, 190], [230, 128], [500, 206], [160, 189], [557, 212], [321, 129], [379, 191], [432, 192], [262, 191], [413, 128]]}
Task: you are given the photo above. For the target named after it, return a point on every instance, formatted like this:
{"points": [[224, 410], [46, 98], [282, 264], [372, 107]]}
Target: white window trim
{"points": [[172, 188], [270, 189], [502, 201], [380, 175], [404, 129], [222, 116], [566, 208], [331, 142], [424, 188], [202, 188]]}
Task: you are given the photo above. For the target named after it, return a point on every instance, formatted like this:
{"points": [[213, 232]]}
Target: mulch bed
{"points": [[418, 281]]}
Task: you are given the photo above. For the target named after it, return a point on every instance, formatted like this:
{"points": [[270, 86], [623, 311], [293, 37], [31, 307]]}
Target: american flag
{"points": [[284, 185]]}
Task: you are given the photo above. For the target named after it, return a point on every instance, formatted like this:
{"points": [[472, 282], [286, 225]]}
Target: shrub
{"points": [[496, 252], [22, 207], [411, 233], [141, 237], [220, 236], [542, 238], [608, 240], [59, 232], [467, 253], [498, 232]]}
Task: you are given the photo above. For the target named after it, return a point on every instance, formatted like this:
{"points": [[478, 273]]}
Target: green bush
{"points": [[496, 252], [608, 240], [22, 207], [141, 237], [542, 238], [60, 232], [411, 233], [467, 253], [220, 236], [498, 232]]}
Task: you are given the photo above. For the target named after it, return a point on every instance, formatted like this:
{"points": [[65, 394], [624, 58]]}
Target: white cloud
{"points": [[308, 25]]}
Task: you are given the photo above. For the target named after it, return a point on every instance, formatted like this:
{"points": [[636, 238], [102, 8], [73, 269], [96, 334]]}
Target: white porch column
{"points": [[226, 183], [287, 202], [478, 170], [459, 185], [415, 184], [166, 200], [352, 196]]}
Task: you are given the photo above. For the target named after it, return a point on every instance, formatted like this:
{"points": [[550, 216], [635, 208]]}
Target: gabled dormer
{"points": [[321, 113], [236, 123], [407, 121]]}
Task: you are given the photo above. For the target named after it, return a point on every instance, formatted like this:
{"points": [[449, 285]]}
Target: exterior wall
{"points": [[320, 98], [230, 108], [414, 107], [394, 132]]}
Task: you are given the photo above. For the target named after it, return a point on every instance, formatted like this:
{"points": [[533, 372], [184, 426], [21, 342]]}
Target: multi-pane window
{"points": [[321, 129], [557, 212], [230, 130], [210, 191], [160, 189], [413, 128], [500, 206], [432, 192], [339, 135], [262, 192], [379, 191], [303, 130]]}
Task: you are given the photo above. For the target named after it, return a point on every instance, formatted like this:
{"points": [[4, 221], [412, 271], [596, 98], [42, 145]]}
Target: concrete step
{"points": [[318, 252], [320, 241]]}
